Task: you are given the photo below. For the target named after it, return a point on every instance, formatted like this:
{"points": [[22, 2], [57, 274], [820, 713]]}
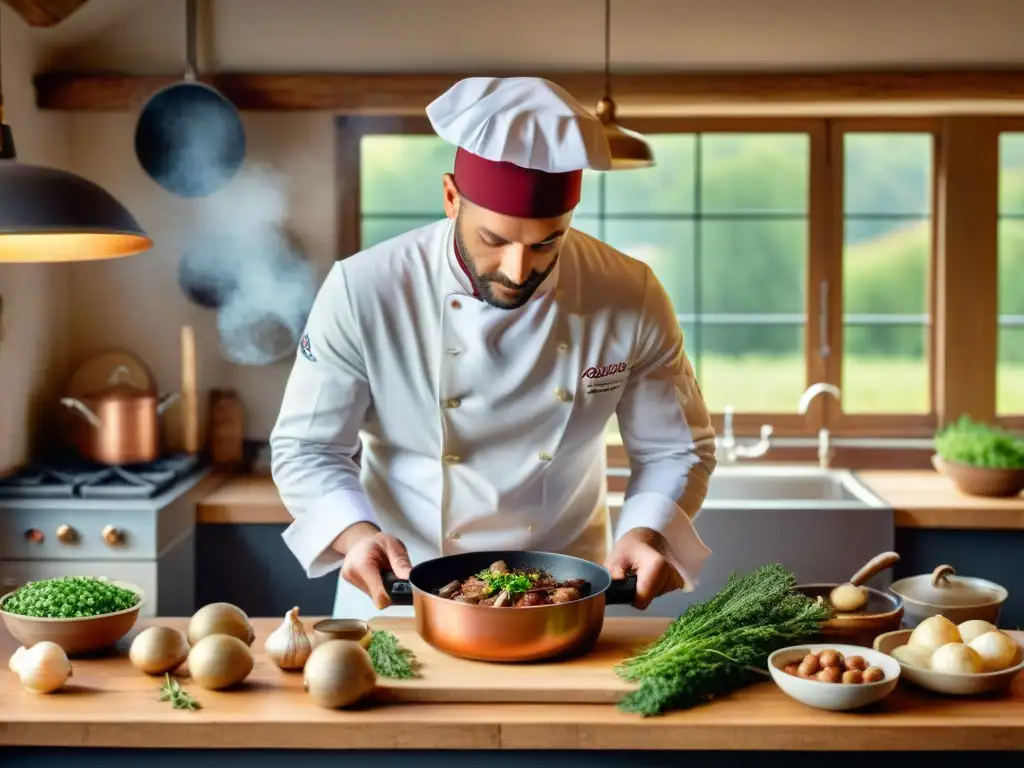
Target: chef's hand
{"points": [[641, 550], [367, 552]]}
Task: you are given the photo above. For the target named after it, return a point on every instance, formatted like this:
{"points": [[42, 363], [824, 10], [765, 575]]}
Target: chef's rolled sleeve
{"points": [[667, 433], [316, 437]]}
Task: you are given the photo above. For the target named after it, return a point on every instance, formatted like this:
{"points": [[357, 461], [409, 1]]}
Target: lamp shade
{"points": [[628, 148], [49, 215]]}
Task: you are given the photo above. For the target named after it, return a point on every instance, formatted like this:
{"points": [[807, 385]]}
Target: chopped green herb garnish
{"points": [[69, 597], [172, 691], [513, 583], [390, 658]]}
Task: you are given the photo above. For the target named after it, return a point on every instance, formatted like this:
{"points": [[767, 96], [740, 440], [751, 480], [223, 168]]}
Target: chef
{"points": [[453, 385]]}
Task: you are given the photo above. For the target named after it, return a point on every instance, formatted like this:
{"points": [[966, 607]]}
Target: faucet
{"points": [[824, 439], [732, 451]]}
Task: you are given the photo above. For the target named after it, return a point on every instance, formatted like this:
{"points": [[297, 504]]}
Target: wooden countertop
{"points": [[110, 704], [921, 498]]}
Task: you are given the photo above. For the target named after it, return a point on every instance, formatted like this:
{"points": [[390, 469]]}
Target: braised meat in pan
{"points": [[502, 587]]}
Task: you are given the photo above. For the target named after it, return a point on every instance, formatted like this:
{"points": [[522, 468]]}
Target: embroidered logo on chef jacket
{"points": [[307, 348], [596, 378]]}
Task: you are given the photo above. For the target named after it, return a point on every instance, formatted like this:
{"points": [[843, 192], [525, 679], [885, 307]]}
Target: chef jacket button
{"points": [[451, 351], [453, 536], [456, 304], [452, 402], [451, 459], [561, 394], [563, 347], [545, 456], [530, 527]]}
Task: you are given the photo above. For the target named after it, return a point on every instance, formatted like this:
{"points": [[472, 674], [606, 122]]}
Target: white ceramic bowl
{"points": [[947, 682], [838, 697]]}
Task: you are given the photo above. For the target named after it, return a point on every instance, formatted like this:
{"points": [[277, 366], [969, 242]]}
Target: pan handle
{"points": [[621, 591], [399, 590]]}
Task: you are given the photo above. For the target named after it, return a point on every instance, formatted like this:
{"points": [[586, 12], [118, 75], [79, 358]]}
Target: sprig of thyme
{"points": [[172, 691], [390, 658]]}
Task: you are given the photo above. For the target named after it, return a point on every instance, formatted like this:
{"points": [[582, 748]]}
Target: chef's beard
{"points": [[484, 283]]}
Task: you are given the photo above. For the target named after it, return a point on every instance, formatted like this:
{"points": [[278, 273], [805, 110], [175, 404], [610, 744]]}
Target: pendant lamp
{"points": [[628, 148], [49, 215]]}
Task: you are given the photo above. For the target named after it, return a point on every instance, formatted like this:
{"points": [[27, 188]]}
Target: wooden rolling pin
{"points": [[189, 394]]}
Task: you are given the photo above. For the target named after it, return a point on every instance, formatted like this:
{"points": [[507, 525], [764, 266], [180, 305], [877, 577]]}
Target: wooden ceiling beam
{"points": [[409, 94], [45, 13]]}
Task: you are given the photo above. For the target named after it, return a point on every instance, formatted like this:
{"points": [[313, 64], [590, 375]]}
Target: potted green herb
{"points": [[980, 459]]}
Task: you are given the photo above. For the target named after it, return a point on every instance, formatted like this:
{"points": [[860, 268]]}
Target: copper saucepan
{"points": [[485, 633]]}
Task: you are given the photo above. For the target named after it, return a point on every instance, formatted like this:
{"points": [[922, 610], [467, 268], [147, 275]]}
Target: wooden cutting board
{"points": [[590, 679]]}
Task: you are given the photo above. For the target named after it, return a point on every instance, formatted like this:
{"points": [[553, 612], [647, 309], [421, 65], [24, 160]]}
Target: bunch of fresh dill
{"points": [[390, 658], [722, 643]]}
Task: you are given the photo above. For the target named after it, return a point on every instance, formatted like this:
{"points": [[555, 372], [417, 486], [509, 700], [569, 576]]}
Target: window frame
{"points": [[1000, 125], [874, 424], [825, 221]]}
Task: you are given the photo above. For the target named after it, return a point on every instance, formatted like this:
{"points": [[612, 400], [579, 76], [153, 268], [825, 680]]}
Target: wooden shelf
{"points": [[398, 94]]}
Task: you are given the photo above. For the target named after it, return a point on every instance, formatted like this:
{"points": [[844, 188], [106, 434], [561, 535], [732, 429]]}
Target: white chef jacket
{"points": [[483, 428]]}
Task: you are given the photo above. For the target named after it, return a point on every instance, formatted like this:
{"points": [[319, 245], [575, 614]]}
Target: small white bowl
{"points": [[950, 683], [838, 697]]}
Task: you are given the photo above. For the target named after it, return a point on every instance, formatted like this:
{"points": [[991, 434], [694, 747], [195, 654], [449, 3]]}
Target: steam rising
{"points": [[244, 261]]}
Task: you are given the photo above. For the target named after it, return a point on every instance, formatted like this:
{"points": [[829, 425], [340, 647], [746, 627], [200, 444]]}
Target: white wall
{"points": [[34, 319]]}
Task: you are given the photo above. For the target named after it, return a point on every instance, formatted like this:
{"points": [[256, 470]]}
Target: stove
{"points": [[67, 517], [68, 478]]}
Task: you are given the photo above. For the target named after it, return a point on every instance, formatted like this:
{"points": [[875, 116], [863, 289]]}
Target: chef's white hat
{"points": [[523, 143]]}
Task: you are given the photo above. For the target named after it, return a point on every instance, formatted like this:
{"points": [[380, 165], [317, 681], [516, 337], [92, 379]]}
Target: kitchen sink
{"points": [[821, 524], [760, 484]]}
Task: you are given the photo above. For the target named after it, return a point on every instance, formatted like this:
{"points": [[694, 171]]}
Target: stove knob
{"points": [[67, 535], [34, 536], [113, 536]]}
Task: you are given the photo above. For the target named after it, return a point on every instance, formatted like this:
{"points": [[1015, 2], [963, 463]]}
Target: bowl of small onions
{"points": [[966, 659], [834, 677], [81, 614]]}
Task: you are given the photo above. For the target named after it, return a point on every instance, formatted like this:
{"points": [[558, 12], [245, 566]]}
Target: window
{"points": [[1010, 366], [887, 245], [794, 251]]}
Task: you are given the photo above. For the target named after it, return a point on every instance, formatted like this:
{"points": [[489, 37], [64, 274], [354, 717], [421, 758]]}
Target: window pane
{"points": [[377, 229], [885, 369], [667, 246], [1011, 174], [754, 172], [753, 267], [887, 252], [402, 174], [665, 188], [754, 368], [1010, 360], [888, 174], [1010, 375]]}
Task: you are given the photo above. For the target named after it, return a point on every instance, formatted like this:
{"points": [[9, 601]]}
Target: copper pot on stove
{"points": [[119, 424]]}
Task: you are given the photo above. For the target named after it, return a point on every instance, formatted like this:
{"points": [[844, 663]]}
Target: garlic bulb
{"points": [[16, 659], [288, 646], [43, 668]]}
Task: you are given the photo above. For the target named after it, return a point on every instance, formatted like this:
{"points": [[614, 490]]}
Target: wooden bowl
{"points": [[981, 481], [882, 613], [76, 636], [948, 683]]}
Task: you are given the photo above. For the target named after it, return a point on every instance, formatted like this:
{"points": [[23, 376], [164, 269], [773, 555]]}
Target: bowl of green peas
{"points": [[81, 614]]}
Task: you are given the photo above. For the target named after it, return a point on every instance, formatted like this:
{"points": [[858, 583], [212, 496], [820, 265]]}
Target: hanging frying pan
{"points": [[189, 138], [209, 270], [263, 313]]}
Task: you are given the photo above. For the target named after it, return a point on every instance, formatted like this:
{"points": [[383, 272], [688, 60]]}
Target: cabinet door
{"points": [[249, 565]]}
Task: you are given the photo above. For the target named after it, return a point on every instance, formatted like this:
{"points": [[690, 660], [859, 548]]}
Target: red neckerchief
{"points": [[465, 269]]}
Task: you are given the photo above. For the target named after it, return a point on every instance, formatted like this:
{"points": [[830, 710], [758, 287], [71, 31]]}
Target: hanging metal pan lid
{"points": [[189, 138]]}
